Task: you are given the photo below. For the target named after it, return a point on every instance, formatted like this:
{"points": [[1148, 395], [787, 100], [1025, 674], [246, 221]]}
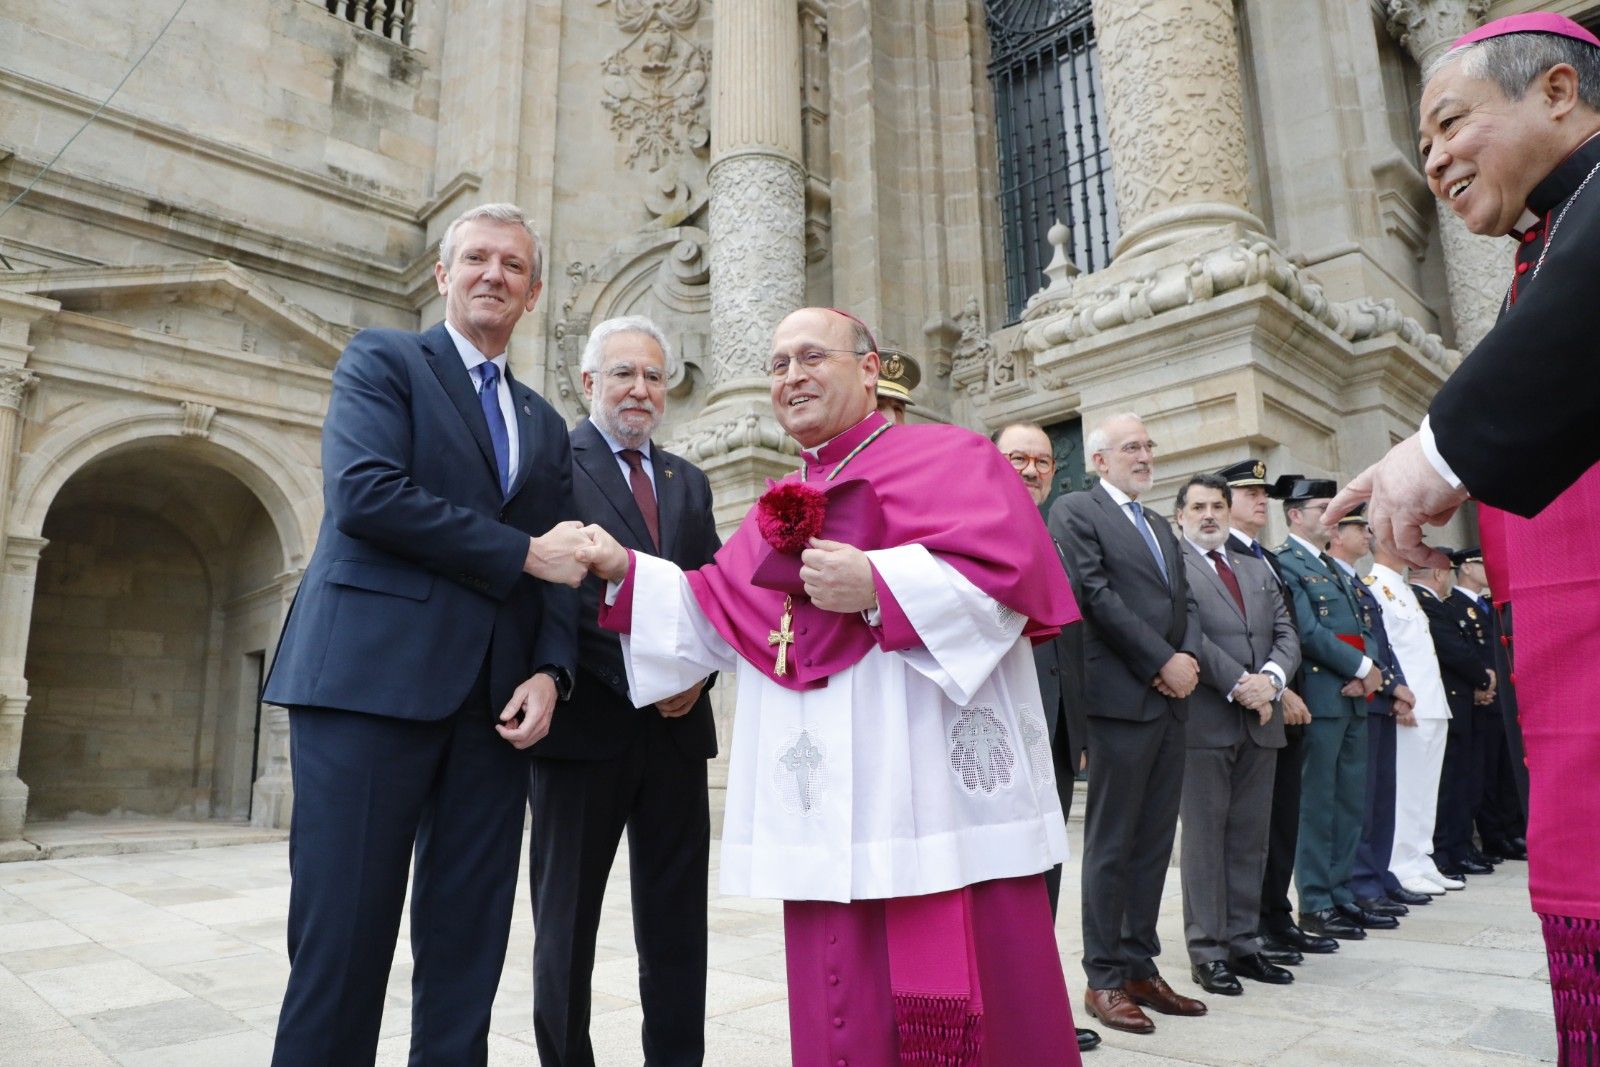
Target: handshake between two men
{"points": [[837, 577]]}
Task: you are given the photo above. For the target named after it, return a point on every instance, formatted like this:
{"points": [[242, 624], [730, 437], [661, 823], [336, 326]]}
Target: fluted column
{"points": [[1175, 117], [757, 188], [1475, 267]]}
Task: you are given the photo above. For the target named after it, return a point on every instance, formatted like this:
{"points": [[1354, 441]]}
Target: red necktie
{"points": [[644, 493], [1225, 572]]}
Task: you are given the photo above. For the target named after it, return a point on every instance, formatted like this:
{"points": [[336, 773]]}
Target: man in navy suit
{"points": [[607, 765], [423, 654]]}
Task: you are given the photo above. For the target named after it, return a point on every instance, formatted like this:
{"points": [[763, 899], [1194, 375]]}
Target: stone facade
{"points": [[177, 287]]}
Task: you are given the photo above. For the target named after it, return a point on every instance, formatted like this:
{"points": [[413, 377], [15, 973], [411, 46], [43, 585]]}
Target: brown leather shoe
{"points": [[1154, 992], [1113, 1008]]}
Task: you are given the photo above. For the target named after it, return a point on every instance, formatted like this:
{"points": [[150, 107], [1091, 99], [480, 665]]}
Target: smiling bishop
{"points": [[890, 776]]}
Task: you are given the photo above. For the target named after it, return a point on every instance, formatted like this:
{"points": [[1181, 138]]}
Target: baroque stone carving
{"points": [[1235, 265], [974, 365], [758, 261], [14, 385], [1425, 28], [197, 418], [655, 83], [750, 430], [1174, 104]]}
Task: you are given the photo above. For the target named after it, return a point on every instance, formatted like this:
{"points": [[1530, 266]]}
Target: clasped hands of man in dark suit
{"points": [[525, 719], [1178, 676]]}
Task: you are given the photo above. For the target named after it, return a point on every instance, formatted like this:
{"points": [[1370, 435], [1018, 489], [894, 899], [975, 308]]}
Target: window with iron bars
{"points": [[1055, 163], [392, 18]]}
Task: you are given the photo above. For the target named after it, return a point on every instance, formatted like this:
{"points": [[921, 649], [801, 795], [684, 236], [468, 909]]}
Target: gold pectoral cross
{"points": [[783, 637]]}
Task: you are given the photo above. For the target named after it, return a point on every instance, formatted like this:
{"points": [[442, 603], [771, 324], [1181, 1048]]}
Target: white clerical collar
{"points": [[1309, 547], [469, 352], [615, 445], [1117, 496]]}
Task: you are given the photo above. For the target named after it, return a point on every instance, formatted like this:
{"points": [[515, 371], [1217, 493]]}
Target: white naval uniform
{"points": [[909, 773], [1419, 750]]}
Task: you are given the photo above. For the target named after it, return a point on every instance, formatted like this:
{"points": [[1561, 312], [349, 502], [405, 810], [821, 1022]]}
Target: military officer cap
{"points": [[1467, 555], [1245, 472], [1293, 488], [898, 374], [1357, 516]]}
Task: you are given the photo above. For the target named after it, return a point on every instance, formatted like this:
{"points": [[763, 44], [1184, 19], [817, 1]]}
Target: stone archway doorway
{"points": [[156, 608]]}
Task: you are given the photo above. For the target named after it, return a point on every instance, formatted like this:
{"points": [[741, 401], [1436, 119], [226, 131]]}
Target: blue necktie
{"points": [[1149, 538], [1255, 549], [489, 398]]}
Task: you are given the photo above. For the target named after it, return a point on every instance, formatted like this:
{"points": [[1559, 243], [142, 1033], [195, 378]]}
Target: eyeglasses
{"points": [[1133, 448], [808, 358], [626, 373], [1020, 461]]}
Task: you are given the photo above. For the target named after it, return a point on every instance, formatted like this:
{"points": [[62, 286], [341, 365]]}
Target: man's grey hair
{"points": [[1099, 438], [507, 213], [1512, 61], [594, 350]]}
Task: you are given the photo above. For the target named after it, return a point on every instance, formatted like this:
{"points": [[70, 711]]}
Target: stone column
{"points": [[758, 204], [1175, 115], [1476, 268], [272, 793], [17, 573]]}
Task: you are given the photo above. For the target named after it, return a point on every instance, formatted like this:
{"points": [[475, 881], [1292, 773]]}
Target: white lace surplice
{"points": [[909, 773]]}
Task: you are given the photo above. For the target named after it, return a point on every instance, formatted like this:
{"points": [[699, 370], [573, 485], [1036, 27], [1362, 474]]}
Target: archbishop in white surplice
{"points": [[909, 773]]}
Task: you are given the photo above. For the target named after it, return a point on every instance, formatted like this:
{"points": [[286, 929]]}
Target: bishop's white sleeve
{"points": [[671, 645], [964, 632]]}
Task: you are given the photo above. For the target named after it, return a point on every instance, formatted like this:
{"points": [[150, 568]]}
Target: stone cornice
{"points": [[1084, 308], [65, 284]]}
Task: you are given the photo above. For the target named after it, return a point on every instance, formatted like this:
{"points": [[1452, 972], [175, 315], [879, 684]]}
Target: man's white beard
{"points": [[1210, 541], [627, 436]]}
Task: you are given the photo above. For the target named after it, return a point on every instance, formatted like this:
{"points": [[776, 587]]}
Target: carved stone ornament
{"points": [[1235, 265], [197, 418], [655, 84], [14, 385], [1425, 28], [749, 430], [758, 269], [973, 354]]}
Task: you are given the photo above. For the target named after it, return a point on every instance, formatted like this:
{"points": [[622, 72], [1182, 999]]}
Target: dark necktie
{"points": [[644, 494], [489, 400], [1149, 536], [1225, 572], [1256, 550]]}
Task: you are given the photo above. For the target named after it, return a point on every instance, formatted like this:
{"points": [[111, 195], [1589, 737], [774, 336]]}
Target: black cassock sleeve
{"points": [[1519, 420]]}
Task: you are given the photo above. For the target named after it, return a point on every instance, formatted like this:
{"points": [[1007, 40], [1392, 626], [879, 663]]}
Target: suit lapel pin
{"points": [[669, 472], [526, 410]]}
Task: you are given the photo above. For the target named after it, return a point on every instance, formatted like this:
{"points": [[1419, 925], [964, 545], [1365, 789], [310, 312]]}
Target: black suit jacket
{"points": [[1460, 662], [1059, 664], [417, 574], [600, 719], [1134, 621]]}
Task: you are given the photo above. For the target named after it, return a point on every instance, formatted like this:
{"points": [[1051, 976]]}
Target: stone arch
{"points": [[289, 493]]}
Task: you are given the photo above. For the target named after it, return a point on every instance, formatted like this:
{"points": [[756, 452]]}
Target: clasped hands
{"points": [[1256, 692], [1178, 676]]}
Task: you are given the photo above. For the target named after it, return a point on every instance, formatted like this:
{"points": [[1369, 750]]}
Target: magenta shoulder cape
{"points": [[942, 487]]}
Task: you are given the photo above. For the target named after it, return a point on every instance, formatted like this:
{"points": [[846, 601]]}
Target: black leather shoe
{"points": [[1260, 969], [1408, 898], [1293, 937], [1382, 906], [1087, 1039], [1511, 850], [1479, 856], [1329, 923], [1366, 919], [1472, 866], [1283, 957], [1214, 977], [1456, 871]]}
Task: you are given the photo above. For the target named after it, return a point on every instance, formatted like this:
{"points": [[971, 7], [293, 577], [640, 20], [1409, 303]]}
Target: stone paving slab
{"points": [[176, 957]]}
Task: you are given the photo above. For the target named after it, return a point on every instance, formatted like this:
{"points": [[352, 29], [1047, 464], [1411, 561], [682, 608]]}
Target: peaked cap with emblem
{"points": [[1357, 516], [1245, 472], [898, 374], [1467, 555]]}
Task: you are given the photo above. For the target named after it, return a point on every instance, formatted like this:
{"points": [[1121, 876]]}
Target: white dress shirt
{"points": [[474, 359]]}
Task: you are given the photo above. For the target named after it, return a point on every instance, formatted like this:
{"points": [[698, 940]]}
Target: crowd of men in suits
{"points": [[1297, 718], [1302, 720]]}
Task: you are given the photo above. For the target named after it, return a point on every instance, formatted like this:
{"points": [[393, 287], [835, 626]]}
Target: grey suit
{"points": [[1231, 759], [1134, 621]]}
